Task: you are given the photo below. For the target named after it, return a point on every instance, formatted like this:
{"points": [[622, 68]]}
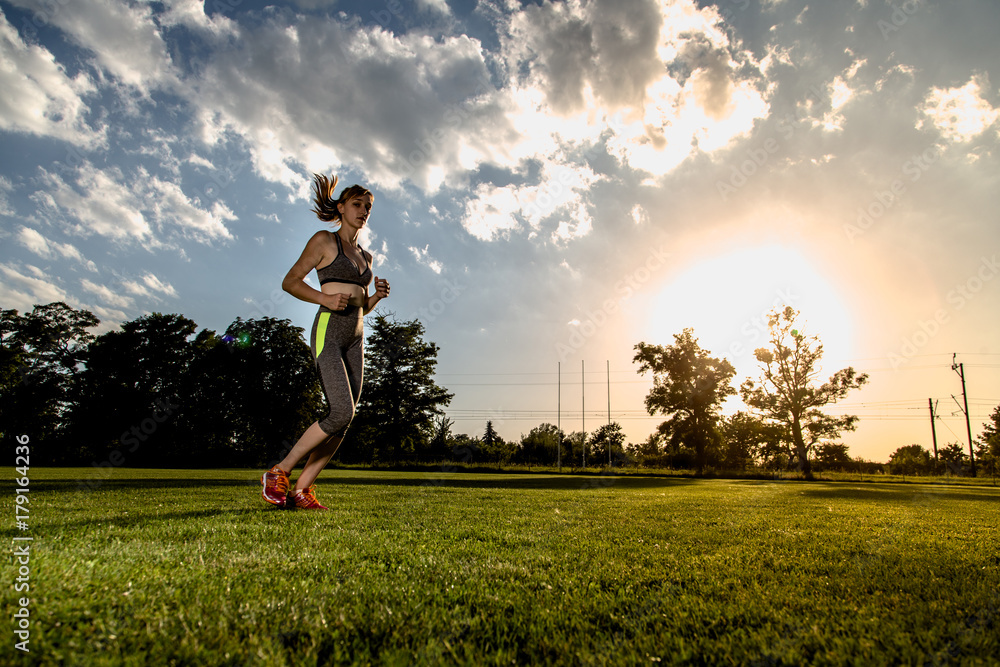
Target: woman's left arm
{"points": [[381, 292]]}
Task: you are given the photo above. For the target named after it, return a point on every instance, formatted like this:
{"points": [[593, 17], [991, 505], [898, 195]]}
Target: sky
{"points": [[554, 182]]}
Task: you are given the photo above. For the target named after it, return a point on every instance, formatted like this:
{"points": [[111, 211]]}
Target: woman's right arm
{"points": [[295, 284]]}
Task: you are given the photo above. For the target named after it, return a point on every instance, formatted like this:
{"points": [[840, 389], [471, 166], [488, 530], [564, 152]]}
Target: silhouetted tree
{"points": [[395, 417], [573, 445], [272, 391], [648, 452], [541, 445], [833, 456], [910, 460], [40, 354], [689, 387], [786, 393], [608, 436], [465, 449], [439, 448], [988, 445], [954, 458], [496, 449], [133, 389], [744, 436]]}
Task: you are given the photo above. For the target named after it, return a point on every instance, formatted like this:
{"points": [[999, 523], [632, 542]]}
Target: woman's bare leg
{"points": [[312, 438], [318, 459]]}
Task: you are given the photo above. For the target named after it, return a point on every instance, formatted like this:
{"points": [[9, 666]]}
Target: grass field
{"points": [[174, 567]]}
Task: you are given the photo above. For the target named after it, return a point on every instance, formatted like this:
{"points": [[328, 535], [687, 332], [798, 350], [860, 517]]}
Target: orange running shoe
{"points": [[275, 483], [305, 499]]}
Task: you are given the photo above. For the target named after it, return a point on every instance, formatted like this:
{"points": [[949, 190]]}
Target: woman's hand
{"points": [[381, 287], [337, 301]]}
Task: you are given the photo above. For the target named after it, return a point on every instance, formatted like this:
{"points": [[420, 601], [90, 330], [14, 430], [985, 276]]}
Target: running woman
{"points": [[344, 270]]}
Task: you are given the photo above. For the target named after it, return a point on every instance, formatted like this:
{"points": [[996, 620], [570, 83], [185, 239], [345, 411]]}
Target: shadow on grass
{"points": [[904, 494], [140, 519], [123, 481], [522, 481]]}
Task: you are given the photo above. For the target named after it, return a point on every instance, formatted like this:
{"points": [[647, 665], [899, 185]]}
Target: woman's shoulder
{"points": [[323, 238]]}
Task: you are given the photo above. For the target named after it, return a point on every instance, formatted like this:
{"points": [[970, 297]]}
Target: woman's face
{"points": [[354, 212]]}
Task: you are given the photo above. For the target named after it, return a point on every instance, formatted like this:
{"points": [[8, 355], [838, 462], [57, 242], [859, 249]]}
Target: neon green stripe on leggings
{"points": [[324, 318]]}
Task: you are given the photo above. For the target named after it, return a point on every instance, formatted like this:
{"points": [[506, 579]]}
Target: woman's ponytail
{"points": [[326, 205]]}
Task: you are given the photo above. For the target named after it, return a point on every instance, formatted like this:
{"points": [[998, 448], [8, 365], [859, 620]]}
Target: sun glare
{"points": [[725, 299]]}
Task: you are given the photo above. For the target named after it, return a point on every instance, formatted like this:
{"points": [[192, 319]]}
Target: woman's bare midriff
{"points": [[355, 292]]}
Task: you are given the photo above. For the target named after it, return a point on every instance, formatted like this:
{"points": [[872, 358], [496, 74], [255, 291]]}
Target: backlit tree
{"points": [[689, 387], [787, 392]]}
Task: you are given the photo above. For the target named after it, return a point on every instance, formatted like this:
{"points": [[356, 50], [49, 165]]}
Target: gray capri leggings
{"points": [[337, 340]]}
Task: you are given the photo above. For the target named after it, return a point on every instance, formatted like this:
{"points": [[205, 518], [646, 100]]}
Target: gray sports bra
{"points": [[343, 270]]}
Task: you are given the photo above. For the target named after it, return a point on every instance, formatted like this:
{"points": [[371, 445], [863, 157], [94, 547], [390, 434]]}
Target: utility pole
{"points": [[930, 404], [583, 410], [960, 369], [559, 416]]}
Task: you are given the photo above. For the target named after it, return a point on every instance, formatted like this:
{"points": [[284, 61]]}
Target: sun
{"points": [[726, 299]]}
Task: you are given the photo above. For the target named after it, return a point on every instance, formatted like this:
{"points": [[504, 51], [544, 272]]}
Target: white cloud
{"points": [[150, 284], [560, 194], [574, 273], [101, 205], [198, 160], [157, 285], [167, 203], [191, 14], [606, 46], [38, 96], [124, 38], [22, 292], [107, 295], [899, 71], [423, 257], [106, 203], [438, 6], [33, 240], [491, 212], [6, 188], [960, 114], [392, 106], [842, 90], [639, 214], [410, 106], [605, 67]]}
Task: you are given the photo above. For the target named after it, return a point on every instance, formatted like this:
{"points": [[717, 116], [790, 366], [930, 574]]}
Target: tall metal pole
{"points": [[609, 410], [930, 404], [559, 417], [583, 412]]}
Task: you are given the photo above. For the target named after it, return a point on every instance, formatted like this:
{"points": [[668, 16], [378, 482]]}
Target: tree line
{"points": [[159, 392]]}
